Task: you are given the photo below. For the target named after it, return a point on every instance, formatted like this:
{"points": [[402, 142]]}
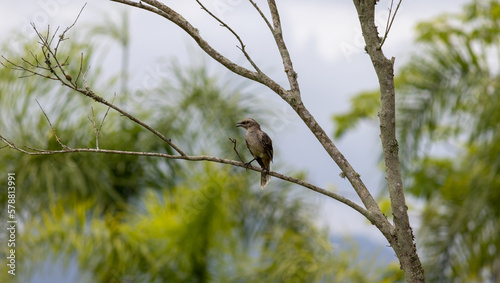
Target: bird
{"points": [[260, 146]]}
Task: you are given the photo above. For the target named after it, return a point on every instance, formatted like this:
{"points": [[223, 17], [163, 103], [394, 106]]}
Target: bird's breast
{"points": [[254, 144]]}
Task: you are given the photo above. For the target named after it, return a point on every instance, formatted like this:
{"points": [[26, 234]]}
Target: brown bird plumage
{"points": [[260, 146]]}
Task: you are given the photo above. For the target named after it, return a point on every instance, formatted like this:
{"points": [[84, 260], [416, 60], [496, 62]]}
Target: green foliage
{"points": [[363, 106], [212, 229], [448, 126], [455, 89]]}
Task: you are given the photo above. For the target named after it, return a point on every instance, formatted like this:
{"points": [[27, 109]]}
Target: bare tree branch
{"points": [[52, 127], [166, 12], [66, 149], [296, 103], [390, 20], [242, 45], [62, 36], [285, 56], [235, 150], [292, 96], [262, 16], [97, 130]]}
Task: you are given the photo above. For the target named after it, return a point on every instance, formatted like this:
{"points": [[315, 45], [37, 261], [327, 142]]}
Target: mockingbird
{"points": [[260, 146]]}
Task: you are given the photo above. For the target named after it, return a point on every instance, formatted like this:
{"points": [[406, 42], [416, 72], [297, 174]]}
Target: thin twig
{"points": [[79, 70], [285, 55], [16, 67], [61, 37], [96, 131], [52, 127], [263, 16], [390, 20], [106, 114], [242, 45], [235, 150], [40, 150], [52, 38]]}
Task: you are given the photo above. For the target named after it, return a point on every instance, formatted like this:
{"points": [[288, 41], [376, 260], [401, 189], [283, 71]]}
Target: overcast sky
{"points": [[326, 46]]}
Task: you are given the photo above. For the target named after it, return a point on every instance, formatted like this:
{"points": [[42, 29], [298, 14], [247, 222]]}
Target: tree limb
{"points": [[390, 20], [66, 149], [52, 127], [242, 45], [285, 55], [262, 16], [171, 15]]}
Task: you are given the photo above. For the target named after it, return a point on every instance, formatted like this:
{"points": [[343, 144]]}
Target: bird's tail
{"points": [[264, 178]]}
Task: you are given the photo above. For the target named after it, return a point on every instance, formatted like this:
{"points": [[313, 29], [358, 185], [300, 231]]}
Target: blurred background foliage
{"points": [[142, 219], [448, 98]]}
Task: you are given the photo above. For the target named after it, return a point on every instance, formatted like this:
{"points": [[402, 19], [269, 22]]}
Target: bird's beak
{"points": [[239, 124]]}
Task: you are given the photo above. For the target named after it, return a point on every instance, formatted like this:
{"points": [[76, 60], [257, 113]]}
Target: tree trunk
{"points": [[402, 240]]}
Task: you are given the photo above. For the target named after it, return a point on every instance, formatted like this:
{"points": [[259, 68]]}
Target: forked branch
{"points": [[171, 15]]}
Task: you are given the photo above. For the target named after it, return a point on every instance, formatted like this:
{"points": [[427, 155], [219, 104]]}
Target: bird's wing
{"points": [[253, 155], [268, 145]]}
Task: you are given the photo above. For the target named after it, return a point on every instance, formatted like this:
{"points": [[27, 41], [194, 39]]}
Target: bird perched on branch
{"points": [[260, 146]]}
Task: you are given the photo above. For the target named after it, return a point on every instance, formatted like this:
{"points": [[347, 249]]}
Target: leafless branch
{"points": [[285, 55], [171, 15], [390, 20], [66, 149], [52, 127], [96, 131], [235, 150], [62, 36], [12, 66], [242, 45], [79, 70], [263, 16], [106, 114], [372, 212]]}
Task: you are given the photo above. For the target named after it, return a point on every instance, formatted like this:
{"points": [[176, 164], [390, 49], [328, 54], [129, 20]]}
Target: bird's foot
{"points": [[247, 165]]}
